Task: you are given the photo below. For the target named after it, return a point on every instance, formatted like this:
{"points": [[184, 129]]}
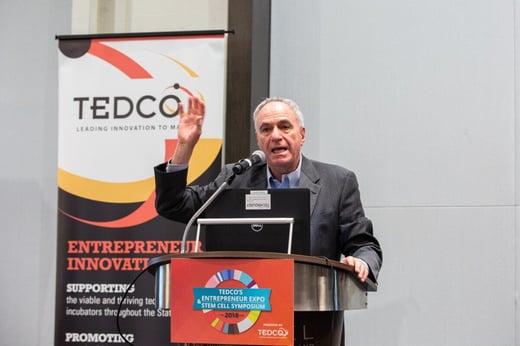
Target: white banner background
{"points": [[106, 159]]}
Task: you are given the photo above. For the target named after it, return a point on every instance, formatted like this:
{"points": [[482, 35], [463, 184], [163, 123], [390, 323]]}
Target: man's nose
{"points": [[276, 134]]}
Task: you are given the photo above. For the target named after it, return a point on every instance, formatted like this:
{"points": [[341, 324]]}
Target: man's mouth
{"points": [[278, 150]]}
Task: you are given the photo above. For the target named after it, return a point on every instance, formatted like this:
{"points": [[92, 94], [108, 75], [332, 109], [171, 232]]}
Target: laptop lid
{"points": [[265, 203]]}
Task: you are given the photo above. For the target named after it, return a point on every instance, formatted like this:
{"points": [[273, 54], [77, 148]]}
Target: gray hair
{"points": [[290, 103]]}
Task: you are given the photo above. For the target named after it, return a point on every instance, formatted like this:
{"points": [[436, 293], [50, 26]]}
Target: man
{"points": [[338, 223]]}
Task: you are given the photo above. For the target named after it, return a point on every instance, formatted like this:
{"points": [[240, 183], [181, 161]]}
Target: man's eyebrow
{"points": [[274, 123]]}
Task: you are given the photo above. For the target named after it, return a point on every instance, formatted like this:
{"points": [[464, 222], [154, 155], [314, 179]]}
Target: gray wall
{"points": [[28, 138], [419, 99]]}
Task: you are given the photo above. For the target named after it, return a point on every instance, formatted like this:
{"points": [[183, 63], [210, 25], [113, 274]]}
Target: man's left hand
{"points": [[358, 266]]}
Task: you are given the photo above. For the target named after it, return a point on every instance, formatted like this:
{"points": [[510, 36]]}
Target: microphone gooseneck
{"points": [[202, 208]]}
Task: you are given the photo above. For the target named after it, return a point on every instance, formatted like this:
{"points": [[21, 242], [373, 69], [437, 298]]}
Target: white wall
{"points": [[28, 140], [418, 98], [98, 16]]}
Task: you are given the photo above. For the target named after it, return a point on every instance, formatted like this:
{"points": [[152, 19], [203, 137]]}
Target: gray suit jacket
{"points": [[338, 222]]}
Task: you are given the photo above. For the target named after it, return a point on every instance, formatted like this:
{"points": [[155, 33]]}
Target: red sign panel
{"points": [[232, 301]]}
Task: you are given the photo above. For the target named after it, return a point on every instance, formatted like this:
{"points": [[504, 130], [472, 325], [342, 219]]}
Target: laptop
{"points": [[259, 237]]}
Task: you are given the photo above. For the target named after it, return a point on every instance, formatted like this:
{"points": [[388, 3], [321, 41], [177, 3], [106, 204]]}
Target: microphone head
{"points": [[260, 154], [257, 157]]}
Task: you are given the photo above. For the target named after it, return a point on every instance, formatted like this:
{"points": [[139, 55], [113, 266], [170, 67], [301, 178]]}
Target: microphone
{"points": [[243, 165]]}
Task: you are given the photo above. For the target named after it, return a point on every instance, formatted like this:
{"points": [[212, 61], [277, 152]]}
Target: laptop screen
{"points": [[266, 203]]}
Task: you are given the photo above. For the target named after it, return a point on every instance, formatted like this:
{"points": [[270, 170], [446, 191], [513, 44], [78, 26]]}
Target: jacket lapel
{"points": [[258, 177], [309, 179]]}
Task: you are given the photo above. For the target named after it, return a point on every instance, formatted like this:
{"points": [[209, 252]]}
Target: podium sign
{"points": [[232, 301]]}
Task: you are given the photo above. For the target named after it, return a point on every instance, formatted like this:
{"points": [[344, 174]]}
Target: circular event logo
{"points": [[231, 301]]}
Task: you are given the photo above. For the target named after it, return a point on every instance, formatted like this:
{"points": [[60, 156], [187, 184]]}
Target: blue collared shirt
{"points": [[293, 177]]}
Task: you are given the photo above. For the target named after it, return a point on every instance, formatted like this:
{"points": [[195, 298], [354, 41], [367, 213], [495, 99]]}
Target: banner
{"points": [[118, 107]]}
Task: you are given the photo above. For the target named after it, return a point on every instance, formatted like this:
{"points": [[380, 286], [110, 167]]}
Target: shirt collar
{"points": [[294, 176]]}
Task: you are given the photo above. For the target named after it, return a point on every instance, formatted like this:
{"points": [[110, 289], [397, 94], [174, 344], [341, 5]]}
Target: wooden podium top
{"points": [[320, 284], [370, 285]]}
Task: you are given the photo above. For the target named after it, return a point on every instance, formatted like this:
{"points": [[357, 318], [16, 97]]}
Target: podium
{"points": [[322, 290]]}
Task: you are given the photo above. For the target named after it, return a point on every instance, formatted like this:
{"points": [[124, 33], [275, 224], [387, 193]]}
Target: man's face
{"points": [[280, 137]]}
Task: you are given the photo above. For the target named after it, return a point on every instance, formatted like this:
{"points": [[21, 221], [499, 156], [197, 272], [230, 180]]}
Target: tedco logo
{"points": [[280, 332]]}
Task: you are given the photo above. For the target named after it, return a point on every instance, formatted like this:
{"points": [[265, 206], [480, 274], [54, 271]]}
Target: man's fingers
{"points": [[349, 261], [358, 266], [202, 107], [196, 106], [193, 104], [362, 272]]}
